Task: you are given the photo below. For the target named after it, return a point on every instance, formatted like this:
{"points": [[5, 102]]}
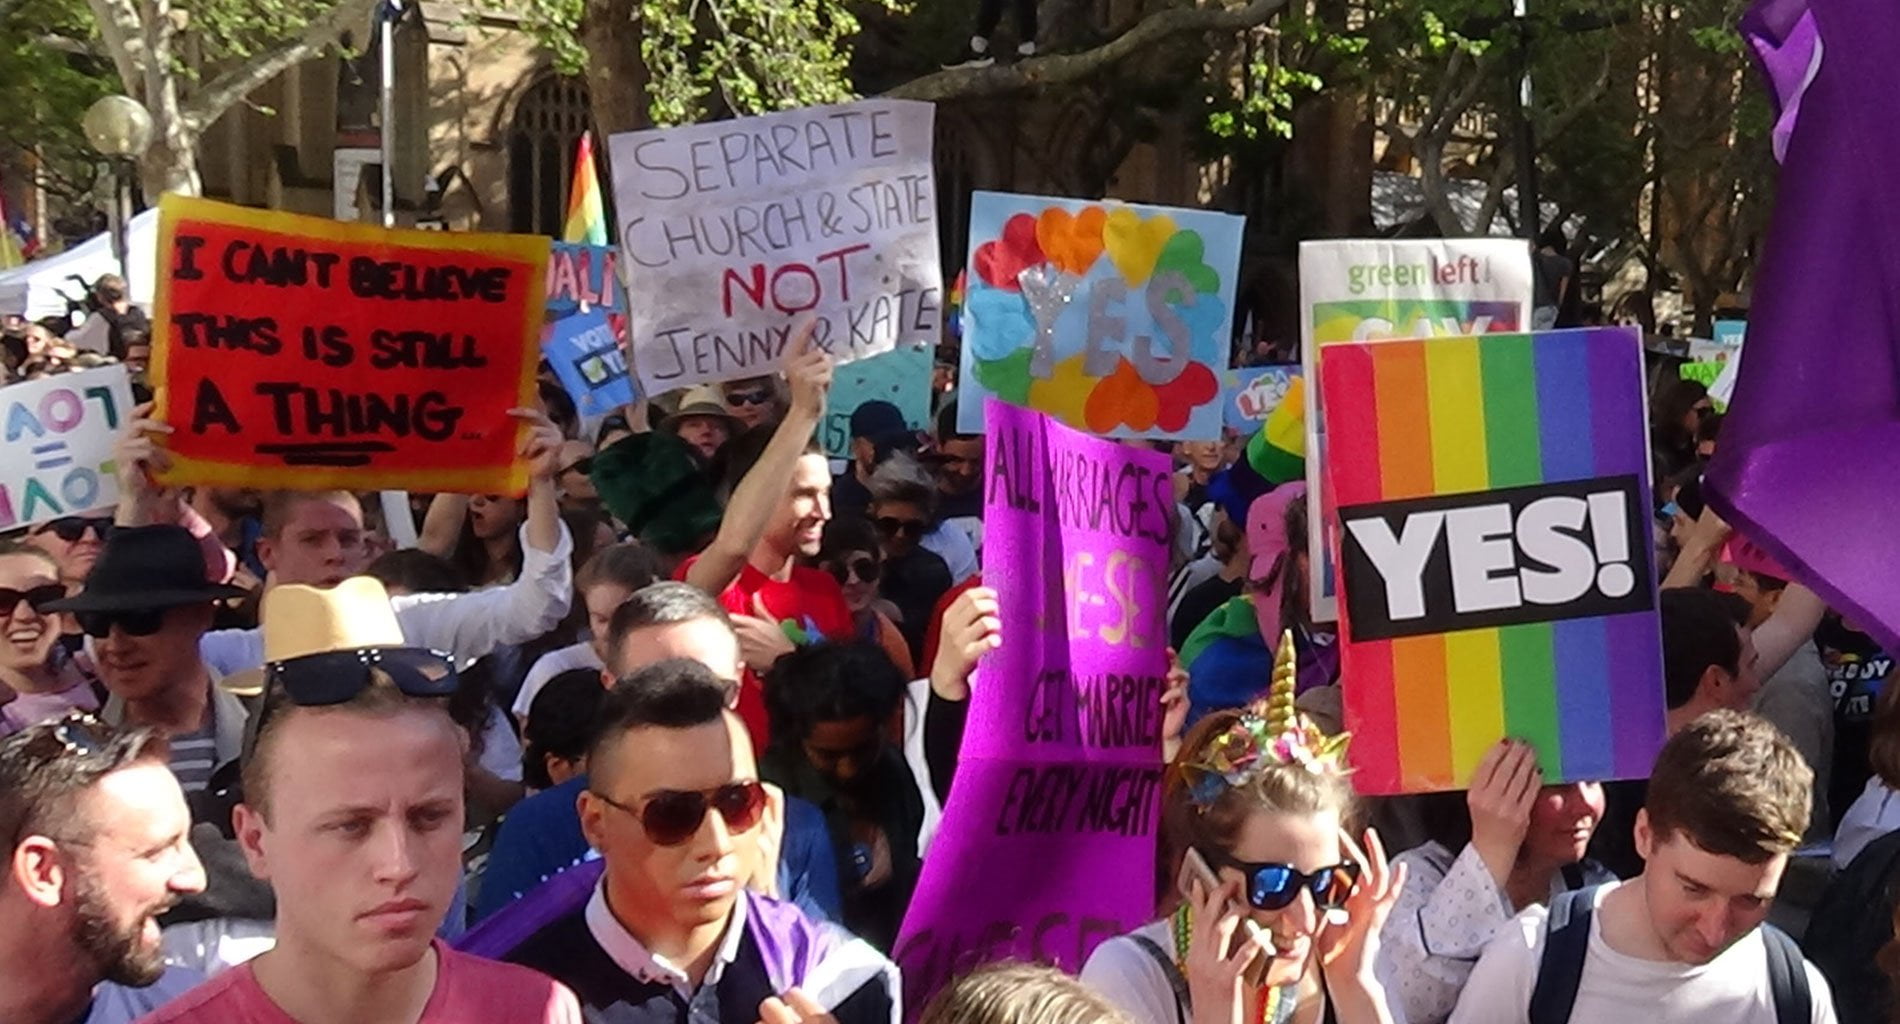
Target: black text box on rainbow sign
{"points": [[1543, 553]]}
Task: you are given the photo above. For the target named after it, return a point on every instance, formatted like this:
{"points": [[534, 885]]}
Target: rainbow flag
{"points": [[1495, 555], [586, 222]]}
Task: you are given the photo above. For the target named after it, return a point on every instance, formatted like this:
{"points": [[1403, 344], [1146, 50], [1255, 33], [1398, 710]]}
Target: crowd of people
{"points": [[668, 738]]}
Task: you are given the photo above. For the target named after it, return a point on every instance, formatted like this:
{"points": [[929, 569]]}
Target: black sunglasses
{"points": [[748, 397], [71, 528], [891, 526], [36, 598], [1276, 886], [332, 677], [865, 569], [584, 466], [671, 817], [131, 621]]}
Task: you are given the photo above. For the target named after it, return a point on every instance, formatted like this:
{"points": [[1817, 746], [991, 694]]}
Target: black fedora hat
{"points": [[147, 567]]}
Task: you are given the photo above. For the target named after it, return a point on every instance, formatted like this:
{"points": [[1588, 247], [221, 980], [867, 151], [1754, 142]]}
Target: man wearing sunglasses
{"points": [[74, 542], [670, 933], [145, 606], [95, 834], [915, 578], [352, 812], [542, 835]]}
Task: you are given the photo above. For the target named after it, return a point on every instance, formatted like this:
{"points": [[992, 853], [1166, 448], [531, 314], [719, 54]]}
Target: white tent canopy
{"points": [[40, 288]]}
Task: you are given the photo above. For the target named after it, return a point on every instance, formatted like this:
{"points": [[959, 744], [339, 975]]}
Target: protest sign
{"points": [[1252, 393], [584, 352], [302, 352], [1367, 289], [1495, 555], [582, 277], [1058, 795], [585, 341], [900, 377], [1114, 318], [58, 439], [733, 231]]}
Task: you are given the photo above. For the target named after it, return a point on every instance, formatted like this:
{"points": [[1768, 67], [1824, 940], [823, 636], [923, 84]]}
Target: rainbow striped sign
{"points": [[1495, 556]]}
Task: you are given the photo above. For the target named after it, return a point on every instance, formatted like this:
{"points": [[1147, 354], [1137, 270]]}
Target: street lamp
{"points": [[119, 128]]}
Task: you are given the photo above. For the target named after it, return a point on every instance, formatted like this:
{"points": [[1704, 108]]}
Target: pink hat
{"points": [[1267, 545]]}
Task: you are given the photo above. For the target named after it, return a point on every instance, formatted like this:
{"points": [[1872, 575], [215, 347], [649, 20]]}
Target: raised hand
{"points": [[540, 444], [1503, 788], [809, 370], [972, 627]]}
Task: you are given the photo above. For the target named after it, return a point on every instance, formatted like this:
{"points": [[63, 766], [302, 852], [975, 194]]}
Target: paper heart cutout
{"points": [[1186, 252], [997, 323], [1135, 244], [1122, 398], [1007, 378], [1181, 397], [1065, 393], [1072, 243], [998, 262]]}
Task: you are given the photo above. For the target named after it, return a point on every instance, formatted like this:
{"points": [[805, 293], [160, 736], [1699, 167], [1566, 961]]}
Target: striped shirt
{"points": [[194, 755]]}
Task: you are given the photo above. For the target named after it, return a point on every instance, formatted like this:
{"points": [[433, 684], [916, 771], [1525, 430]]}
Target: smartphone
{"points": [[1194, 869]]}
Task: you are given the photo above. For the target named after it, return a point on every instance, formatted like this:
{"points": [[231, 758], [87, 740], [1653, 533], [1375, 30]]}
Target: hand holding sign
{"points": [[809, 370], [972, 627], [139, 457], [1500, 798], [540, 442]]}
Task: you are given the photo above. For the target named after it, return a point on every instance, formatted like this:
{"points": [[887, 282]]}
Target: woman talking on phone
{"points": [[1278, 910]]}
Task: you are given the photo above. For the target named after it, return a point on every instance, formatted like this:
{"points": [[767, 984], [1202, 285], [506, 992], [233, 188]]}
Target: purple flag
{"points": [[1813, 437]]}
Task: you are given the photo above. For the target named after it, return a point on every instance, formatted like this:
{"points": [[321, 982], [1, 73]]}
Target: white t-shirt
{"points": [[1874, 814], [549, 665], [1731, 989], [1130, 978]]}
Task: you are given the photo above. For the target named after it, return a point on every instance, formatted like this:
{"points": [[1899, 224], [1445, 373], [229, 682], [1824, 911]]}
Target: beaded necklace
{"points": [[1276, 1003]]}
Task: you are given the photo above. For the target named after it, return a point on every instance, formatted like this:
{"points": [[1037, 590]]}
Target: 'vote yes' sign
{"points": [[1494, 557]]}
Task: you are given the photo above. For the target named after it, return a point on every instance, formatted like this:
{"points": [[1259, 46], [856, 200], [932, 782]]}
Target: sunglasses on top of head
{"points": [[332, 677], [36, 598], [671, 817], [1273, 886], [71, 528]]}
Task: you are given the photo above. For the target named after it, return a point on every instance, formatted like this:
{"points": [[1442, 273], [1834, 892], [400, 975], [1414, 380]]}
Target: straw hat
{"points": [[299, 620]]}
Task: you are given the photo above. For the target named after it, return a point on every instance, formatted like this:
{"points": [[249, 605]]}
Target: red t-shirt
{"points": [[467, 988], [809, 607]]}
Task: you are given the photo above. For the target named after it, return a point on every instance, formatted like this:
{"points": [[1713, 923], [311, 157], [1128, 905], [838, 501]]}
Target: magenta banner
{"points": [[1048, 842]]}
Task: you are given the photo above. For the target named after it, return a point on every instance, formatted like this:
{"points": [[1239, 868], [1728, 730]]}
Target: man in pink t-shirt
{"points": [[353, 813]]}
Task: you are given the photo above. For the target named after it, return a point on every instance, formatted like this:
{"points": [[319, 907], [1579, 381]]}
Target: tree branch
{"points": [[125, 40], [220, 94], [1061, 69]]}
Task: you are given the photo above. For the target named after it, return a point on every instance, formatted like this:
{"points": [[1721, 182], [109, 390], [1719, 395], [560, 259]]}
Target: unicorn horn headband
{"points": [[1270, 734]]}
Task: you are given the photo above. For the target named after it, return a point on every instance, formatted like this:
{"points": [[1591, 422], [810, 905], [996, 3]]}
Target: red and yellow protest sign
{"points": [[302, 352]]}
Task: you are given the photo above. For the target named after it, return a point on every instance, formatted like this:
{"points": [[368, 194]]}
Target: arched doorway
{"points": [[542, 137]]}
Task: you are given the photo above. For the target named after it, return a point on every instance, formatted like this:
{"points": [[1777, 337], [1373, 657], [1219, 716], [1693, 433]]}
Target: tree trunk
{"points": [[616, 73], [171, 164]]}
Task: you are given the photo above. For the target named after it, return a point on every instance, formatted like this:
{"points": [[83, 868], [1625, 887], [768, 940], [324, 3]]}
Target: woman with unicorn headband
{"points": [[1275, 909]]}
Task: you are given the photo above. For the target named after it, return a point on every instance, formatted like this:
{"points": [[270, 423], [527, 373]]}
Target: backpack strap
{"points": [[1566, 946], [1787, 977], [1173, 973], [1572, 875]]}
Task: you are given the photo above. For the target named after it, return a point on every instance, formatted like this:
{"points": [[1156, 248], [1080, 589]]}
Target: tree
{"points": [[188, 66], [48, 81]]}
